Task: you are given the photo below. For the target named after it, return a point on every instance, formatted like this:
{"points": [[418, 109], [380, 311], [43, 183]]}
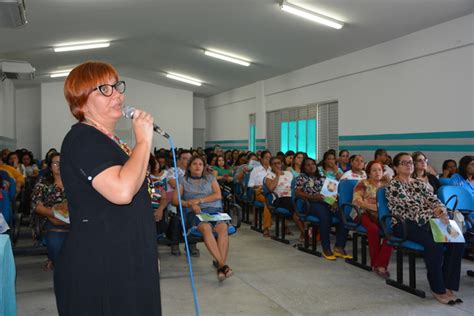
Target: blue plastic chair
{"points": [[345, 192], [281, 215], [444, 181], [301, 207], [458, 198], [257, 207], [402, 246], [5, 207]]}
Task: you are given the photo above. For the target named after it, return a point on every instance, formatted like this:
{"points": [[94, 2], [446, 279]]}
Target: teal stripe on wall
{"points": [[445, 148], [431, 135]]}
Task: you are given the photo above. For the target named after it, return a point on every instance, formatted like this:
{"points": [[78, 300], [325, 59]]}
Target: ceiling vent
{"points": [[16, 70], [12, 13]]}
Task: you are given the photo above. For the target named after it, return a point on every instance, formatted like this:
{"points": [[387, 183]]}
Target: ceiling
{"points": [[151, 37]]}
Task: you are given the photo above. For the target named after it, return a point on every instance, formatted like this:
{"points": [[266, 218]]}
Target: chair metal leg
{"points": [[257, 224], [412, 277], [279, 230], [355, 252], [314, 242]]}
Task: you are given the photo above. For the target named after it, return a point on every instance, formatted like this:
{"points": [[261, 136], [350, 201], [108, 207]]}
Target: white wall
{"points": [[199, 119], [227, 114], [171, 108], [422, 82], [28, 119], [7, 109]]}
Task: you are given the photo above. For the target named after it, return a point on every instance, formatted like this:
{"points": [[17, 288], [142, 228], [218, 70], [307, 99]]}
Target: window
{"points": [[312, 129], [252, 134], [299, 136]]}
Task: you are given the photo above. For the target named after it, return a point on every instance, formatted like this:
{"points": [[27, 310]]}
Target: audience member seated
{"points": [[244, 168], [223, 173], [289, 155], [183, 158], [47, 199], [201, 194], [4, 154], [365, 197], [235, 157], [256, 182], [13, 160], [450, 167], [308, 186], [465, 175], [343, 161], [382, 157], [228, 157], [280, 155], [159, 201], [328, 167], [212, 160], [15, 174], [357, 169], [279, 182], [411, 200], [421, 172], [44, 163], [31, 169], [295, 167]]}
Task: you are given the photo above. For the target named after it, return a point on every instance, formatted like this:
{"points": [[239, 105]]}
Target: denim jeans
{"points": [[325, 215], [54, 242]]}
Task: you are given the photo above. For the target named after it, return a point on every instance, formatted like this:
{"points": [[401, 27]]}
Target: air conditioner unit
{"points": [[21, 70], [12, 13]]}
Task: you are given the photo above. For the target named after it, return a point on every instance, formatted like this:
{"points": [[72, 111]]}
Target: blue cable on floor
{"points": [[183, 225]]}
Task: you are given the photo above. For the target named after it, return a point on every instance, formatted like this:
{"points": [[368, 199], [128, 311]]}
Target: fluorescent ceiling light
{"points": [[81, 46], [184, 78], [61, 73], [227, 57], [311, 15]]}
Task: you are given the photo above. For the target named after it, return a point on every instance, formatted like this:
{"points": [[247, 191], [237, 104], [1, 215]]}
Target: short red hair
{"points": [[82, 80]]}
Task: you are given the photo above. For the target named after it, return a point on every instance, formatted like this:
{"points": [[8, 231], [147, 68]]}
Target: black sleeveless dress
{"points": [[108, 265]]}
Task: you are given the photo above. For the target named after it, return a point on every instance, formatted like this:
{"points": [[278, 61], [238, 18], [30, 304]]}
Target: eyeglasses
{"points": [[108, 89], [406, 163]]}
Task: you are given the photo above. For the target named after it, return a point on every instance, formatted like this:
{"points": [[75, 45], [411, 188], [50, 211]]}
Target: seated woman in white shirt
{"points": [[357, 169], [279, 182], [256, 182]]}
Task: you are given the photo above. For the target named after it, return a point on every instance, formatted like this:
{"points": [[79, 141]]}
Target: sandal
{"points": [[215, 264], [227, 271], [48, 266], [443, 299], [266, 233], [221, 274]]}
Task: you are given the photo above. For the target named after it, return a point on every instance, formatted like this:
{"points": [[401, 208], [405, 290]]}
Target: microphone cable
{"points": [[183, 225]]}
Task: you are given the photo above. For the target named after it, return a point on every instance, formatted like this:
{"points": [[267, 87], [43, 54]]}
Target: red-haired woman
{"points": [[108, 264], [365, 196]]}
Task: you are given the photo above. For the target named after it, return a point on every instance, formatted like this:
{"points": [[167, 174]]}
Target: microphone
{"points": [[128, 111]]}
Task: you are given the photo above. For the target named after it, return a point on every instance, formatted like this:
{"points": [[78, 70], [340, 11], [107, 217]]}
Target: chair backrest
{"points": [[5, 207], [246, 179], [297, 202], [345, 191], [444, 181], [267, 194], [451, 194], [12, 189], [383, 210]]}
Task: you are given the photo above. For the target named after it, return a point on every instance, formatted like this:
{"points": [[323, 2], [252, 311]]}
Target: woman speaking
{"points": [[108, 264]]}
